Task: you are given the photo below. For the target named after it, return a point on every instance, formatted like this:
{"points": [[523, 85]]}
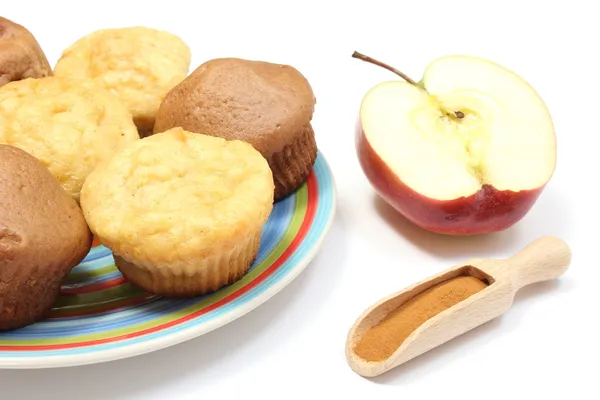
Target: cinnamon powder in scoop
{"points": [[383, 339]]}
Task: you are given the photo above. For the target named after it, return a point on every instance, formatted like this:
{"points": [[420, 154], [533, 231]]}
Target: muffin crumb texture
{"points": [[70, 125], [176, 198], [138, 64], [21, 56], [267, 105]]}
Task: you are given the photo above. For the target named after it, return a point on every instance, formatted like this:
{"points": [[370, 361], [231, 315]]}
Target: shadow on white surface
{"points": [[442, 357], [206, 360], [445, 246]]}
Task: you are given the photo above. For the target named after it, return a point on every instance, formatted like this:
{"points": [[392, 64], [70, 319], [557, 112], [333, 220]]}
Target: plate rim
{"points": [[192, 332]]}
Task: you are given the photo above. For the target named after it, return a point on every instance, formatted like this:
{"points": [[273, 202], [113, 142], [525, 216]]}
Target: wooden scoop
{"points": [[545, 259]]}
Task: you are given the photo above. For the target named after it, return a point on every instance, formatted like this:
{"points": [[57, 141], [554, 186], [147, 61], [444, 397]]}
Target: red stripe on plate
{"points": [[96, 242]]}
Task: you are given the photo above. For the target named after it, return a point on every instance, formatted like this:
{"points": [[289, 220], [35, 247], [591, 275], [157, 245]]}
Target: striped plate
{"points": [[101, 317]]}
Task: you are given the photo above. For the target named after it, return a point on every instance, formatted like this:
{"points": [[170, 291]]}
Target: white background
{"points": [[546, 346]]}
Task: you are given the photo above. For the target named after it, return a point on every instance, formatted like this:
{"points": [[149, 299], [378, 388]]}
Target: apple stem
{"points": [[368, 59]]}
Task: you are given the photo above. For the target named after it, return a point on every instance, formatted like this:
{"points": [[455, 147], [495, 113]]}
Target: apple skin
{"points": [[486, 211]]}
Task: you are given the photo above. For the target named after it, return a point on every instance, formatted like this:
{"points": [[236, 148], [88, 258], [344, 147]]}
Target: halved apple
{"points": [[467, 150]]}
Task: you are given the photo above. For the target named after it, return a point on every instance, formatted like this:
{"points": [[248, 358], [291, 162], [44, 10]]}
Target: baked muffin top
{"points": [[21, 56], [176, 194], [265, 104], [41, 226], [138, 64], [69, 125]]}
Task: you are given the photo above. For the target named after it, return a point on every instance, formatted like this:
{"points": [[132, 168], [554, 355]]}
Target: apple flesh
{"points": [[465, 151]]}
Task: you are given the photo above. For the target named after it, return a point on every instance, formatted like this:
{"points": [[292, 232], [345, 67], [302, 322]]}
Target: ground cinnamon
{"points": [[382, 340]]}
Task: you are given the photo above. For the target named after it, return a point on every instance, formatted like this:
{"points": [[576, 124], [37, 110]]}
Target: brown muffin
{"points": [[21, 56], [43, 235], [267, 105]]}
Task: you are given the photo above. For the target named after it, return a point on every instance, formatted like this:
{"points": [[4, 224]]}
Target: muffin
{"points": [[43, 235], [69, 125], [267, 105], [182, 212], [21, 56], [138, 64]]}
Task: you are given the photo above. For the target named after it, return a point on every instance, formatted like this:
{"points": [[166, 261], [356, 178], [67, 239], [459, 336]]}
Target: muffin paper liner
{"points": [[292, 165], [193, 277]]}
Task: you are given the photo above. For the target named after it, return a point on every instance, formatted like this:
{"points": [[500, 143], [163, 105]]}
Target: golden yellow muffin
{"points": [[69, 125], [182, 212], [138, 64]]}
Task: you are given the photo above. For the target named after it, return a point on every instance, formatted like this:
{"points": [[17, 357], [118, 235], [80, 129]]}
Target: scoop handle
{"points": [[543, 259]]}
